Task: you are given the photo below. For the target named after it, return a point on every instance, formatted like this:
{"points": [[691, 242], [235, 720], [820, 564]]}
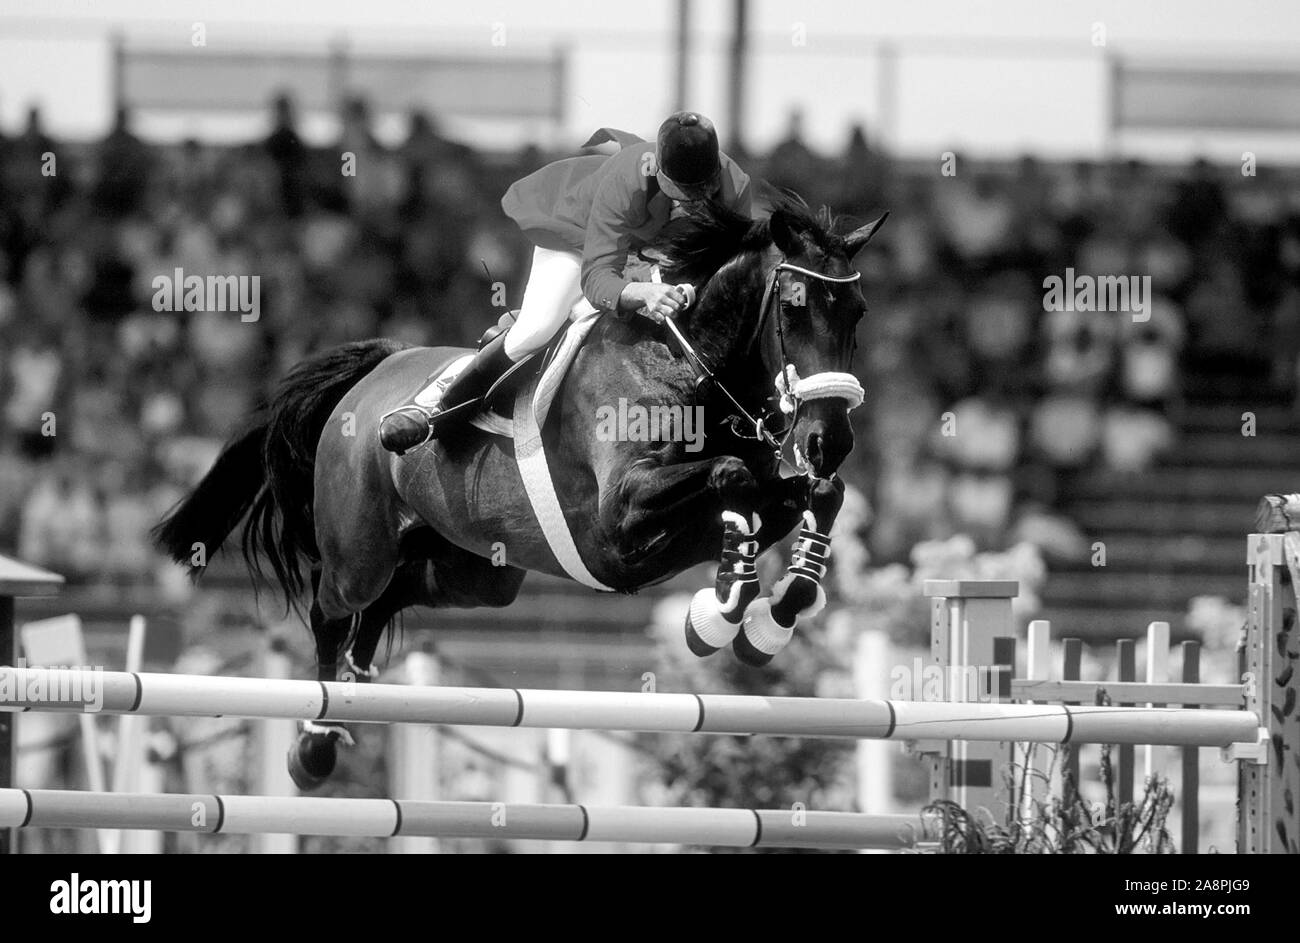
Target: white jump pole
{"points": [[251, 815], [112, 692]]}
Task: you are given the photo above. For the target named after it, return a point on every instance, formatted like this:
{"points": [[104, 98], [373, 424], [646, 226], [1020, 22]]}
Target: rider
{"points": [[584, 215]]}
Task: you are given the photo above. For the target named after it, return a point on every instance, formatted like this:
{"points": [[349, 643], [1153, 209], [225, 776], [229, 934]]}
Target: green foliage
{"points": [[1066, 825]]}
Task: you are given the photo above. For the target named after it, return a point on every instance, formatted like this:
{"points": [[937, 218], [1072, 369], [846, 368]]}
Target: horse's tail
{"points": [[265, 473]]}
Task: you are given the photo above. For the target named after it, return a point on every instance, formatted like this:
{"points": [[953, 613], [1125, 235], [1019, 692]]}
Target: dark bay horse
{"points": [[449, 524]]}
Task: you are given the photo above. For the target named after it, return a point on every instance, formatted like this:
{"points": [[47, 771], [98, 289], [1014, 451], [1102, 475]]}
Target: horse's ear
{"points": [[857, 240], [783, 233]]}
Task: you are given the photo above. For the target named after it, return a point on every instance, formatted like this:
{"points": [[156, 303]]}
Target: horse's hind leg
{"points": [[356, 521], [329, 634], [407, 588], [314, 753], [443, 576], [451, 577]]}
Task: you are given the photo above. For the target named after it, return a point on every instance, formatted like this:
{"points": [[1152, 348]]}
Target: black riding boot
{"points": [[412, 425]]}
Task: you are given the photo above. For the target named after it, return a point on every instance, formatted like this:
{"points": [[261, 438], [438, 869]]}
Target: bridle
{"points": [[791, 389]]}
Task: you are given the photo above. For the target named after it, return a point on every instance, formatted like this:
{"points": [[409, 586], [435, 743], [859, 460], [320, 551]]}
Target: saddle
{"points": [[494, 411], [534, 363]]}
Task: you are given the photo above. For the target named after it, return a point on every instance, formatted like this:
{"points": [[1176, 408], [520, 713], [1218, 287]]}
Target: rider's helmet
{"points": [[687, 154]]}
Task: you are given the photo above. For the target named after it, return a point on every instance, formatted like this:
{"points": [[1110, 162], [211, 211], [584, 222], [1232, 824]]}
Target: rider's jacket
{"points": [[605, 207]]}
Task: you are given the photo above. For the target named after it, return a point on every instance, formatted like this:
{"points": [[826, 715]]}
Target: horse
{"points": [[449, 524]]}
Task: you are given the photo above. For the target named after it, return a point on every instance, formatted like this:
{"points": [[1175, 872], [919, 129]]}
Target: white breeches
{"points": [[554, 293]]}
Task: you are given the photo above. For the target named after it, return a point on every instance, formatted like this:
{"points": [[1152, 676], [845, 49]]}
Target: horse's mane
{"points": [[695, 246]]}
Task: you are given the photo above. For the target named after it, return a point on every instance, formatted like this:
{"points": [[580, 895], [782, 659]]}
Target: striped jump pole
{"points": [[163, 695], [388, 818]]}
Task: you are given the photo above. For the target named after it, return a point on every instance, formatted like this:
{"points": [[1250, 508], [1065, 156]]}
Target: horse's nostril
{"points": [[814, 449]]}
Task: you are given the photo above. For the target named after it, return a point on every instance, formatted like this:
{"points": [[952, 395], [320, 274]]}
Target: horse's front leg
{"points": [[769, 623], [658, 499], [715, 616], [713, 619]]}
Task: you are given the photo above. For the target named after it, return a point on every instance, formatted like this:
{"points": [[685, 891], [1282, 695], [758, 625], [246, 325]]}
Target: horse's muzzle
{"points": [[823, 436]]}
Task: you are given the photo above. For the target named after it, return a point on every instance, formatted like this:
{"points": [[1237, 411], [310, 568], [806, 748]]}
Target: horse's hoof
{"points": [[312, 758], [748, 654], [761, 636], [796, 596], [707, 630]]}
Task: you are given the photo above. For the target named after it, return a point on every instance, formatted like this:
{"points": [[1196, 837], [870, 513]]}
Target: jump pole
{"points": [[164, 695], [388, 818]]}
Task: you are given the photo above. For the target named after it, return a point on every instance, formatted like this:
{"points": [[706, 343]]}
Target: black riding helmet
{"points": [[687, 154]]}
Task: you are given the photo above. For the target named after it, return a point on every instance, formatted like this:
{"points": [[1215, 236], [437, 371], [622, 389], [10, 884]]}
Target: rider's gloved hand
{"points": [[656, 301]]}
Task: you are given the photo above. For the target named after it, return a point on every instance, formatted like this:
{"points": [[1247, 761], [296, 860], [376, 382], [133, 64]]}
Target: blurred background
{"points": [[1110, 464]]}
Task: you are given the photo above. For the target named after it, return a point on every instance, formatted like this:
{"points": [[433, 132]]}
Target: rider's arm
{"points": [[606, 247]]}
